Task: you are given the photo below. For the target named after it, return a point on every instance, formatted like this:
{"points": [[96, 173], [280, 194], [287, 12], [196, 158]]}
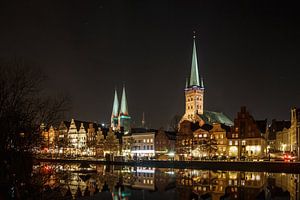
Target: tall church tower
{"points": [[115, 113], [124, 118], [194, 90]]}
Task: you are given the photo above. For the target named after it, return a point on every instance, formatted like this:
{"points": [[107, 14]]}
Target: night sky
{"points": [[248, 54]]}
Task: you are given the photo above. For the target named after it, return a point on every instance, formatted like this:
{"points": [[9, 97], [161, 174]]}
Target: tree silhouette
{"points": [[24, 105]]}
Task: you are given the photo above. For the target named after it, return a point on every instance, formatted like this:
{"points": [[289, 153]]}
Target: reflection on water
{"points": [[75, 181]]}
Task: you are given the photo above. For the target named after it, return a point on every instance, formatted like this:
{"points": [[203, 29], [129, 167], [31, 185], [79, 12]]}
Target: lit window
{"points": [[144, 140], [236, 142], [151, 140], [230, 142], [205, 135]]}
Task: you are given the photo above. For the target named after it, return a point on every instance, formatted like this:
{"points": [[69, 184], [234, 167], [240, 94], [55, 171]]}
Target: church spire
{"points": [[194, 78], [124, 107], [115, 105]]}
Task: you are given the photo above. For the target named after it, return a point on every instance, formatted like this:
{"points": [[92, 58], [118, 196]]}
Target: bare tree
{"points": [[174, 123], [23, 105]]}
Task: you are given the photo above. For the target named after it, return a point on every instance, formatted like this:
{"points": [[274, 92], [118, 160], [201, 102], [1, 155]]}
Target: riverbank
{"points": [[276, 167]]}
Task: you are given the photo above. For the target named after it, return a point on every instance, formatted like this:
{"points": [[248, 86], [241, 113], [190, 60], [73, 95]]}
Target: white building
{"points": [[139, 145], [77, 139]]}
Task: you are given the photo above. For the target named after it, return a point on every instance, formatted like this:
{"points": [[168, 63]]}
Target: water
{"points": [[86, 181]]}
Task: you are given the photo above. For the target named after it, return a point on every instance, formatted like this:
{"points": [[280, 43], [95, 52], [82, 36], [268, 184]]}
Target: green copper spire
{"points": [[116, 105], [124, 108], [194, 79]]}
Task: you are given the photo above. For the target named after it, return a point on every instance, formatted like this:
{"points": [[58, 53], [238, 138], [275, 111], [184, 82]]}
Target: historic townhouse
{"points": [[247, 137]]}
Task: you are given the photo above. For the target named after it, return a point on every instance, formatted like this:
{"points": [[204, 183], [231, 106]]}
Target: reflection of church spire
{"points": [[124, 107]]}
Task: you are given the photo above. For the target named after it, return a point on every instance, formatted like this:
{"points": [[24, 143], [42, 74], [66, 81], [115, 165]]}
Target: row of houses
{"points": [[247, 138]]}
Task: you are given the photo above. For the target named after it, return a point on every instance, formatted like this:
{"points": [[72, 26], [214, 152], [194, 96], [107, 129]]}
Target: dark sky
{"points": [[248, 53]]}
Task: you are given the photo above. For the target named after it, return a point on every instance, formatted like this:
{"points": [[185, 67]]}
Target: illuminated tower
{"points": [[124, 118], [115, 114], [194, 91]]}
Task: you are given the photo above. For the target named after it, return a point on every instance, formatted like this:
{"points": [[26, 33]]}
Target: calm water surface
{"points": [[85, 181]]}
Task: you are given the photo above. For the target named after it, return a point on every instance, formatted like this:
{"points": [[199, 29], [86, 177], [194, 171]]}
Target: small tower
{"points": [[115, 114], [124, 118], [194, 91], [143, 120]]}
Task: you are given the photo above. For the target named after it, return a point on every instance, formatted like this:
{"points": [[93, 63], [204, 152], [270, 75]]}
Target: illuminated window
{"points": [[151, 140], [230, 142], [144, 140], [147, 140], [205, 135], [236, 142]]}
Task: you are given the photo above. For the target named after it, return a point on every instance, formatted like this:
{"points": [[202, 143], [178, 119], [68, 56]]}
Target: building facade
{"points": [[165, 145], [247, 137], [139, 145]]}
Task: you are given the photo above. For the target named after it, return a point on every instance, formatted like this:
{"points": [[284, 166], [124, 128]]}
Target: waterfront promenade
{"points": [[263, 166]]}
